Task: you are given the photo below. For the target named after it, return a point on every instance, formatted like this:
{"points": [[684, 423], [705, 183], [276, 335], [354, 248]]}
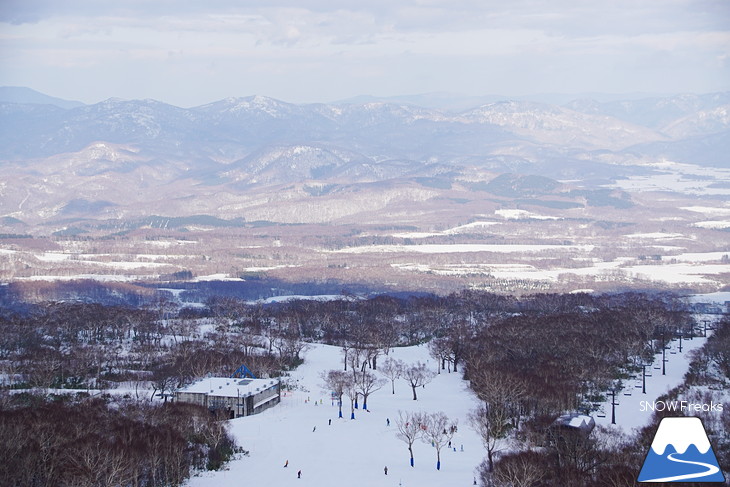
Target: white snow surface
{"points": [[718, 297], [579, 421], [632, 411], [514, 214], [457, 248], [451, 231], [296, 297], [350, 452], [678, 273], [53, 257], [656, 235], [216, 277], [717, 224], [227, 387]]}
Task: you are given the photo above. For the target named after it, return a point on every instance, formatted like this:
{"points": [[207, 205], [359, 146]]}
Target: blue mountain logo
{"points": [[681, 452]]}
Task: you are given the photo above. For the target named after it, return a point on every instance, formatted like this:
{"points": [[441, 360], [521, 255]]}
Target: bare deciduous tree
{"points": [[523, 469], [367, 383], [417, 375], [410, 428], [392, 369], [350, 389], [439, 431], [492, 423], [440, 351], [336, 381]]}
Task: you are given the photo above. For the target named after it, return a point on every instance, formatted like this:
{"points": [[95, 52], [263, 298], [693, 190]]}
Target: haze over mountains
{"points": [[597, 185], [68, 157]]}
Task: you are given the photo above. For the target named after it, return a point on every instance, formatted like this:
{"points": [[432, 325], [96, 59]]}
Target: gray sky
{"points": [[192, 52]]}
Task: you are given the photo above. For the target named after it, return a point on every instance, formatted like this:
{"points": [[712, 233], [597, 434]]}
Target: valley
{"points": [[510, 196]]}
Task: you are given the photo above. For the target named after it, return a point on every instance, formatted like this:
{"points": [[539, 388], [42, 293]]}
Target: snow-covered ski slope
{"points": [[351, 452], [354, 452], [632, 411]]}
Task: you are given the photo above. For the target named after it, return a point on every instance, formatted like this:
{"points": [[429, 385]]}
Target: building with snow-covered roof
{"points": [[571, 427], [580, 422], [237, 397]]}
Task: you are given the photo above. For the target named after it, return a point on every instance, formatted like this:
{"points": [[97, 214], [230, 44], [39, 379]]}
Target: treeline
{"points": [[83, 442], [528, 369], [84, 345], [20, 296], [529, 359], [90, 346], [23, 296], [707, 383], [564, 361]]}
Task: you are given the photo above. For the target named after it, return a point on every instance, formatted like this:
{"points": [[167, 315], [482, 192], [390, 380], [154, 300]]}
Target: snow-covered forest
{"points": [[433, 390]]}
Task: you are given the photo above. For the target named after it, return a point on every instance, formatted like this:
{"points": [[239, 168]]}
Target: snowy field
{"points": [[351, 452], [680, 178], [457, 248]]}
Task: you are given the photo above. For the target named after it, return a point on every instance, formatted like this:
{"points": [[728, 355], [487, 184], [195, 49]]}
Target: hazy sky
{"points": [[193, 52]]}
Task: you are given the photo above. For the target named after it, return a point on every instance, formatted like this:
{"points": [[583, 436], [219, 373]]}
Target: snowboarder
{"points": [[330, 421], [314, 429], [286, 464], [387, 421], [299, 474], [385, 470]]}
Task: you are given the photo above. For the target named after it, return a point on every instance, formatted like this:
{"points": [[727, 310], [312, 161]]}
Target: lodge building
{"points": [[237, 397]]}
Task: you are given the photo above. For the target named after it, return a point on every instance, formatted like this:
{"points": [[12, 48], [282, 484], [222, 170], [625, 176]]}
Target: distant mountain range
{"points": [[19, 94], [121, 158], [456, 102]]}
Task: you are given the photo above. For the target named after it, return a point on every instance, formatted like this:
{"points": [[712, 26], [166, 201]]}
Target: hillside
{"points": [[309, 186]]}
